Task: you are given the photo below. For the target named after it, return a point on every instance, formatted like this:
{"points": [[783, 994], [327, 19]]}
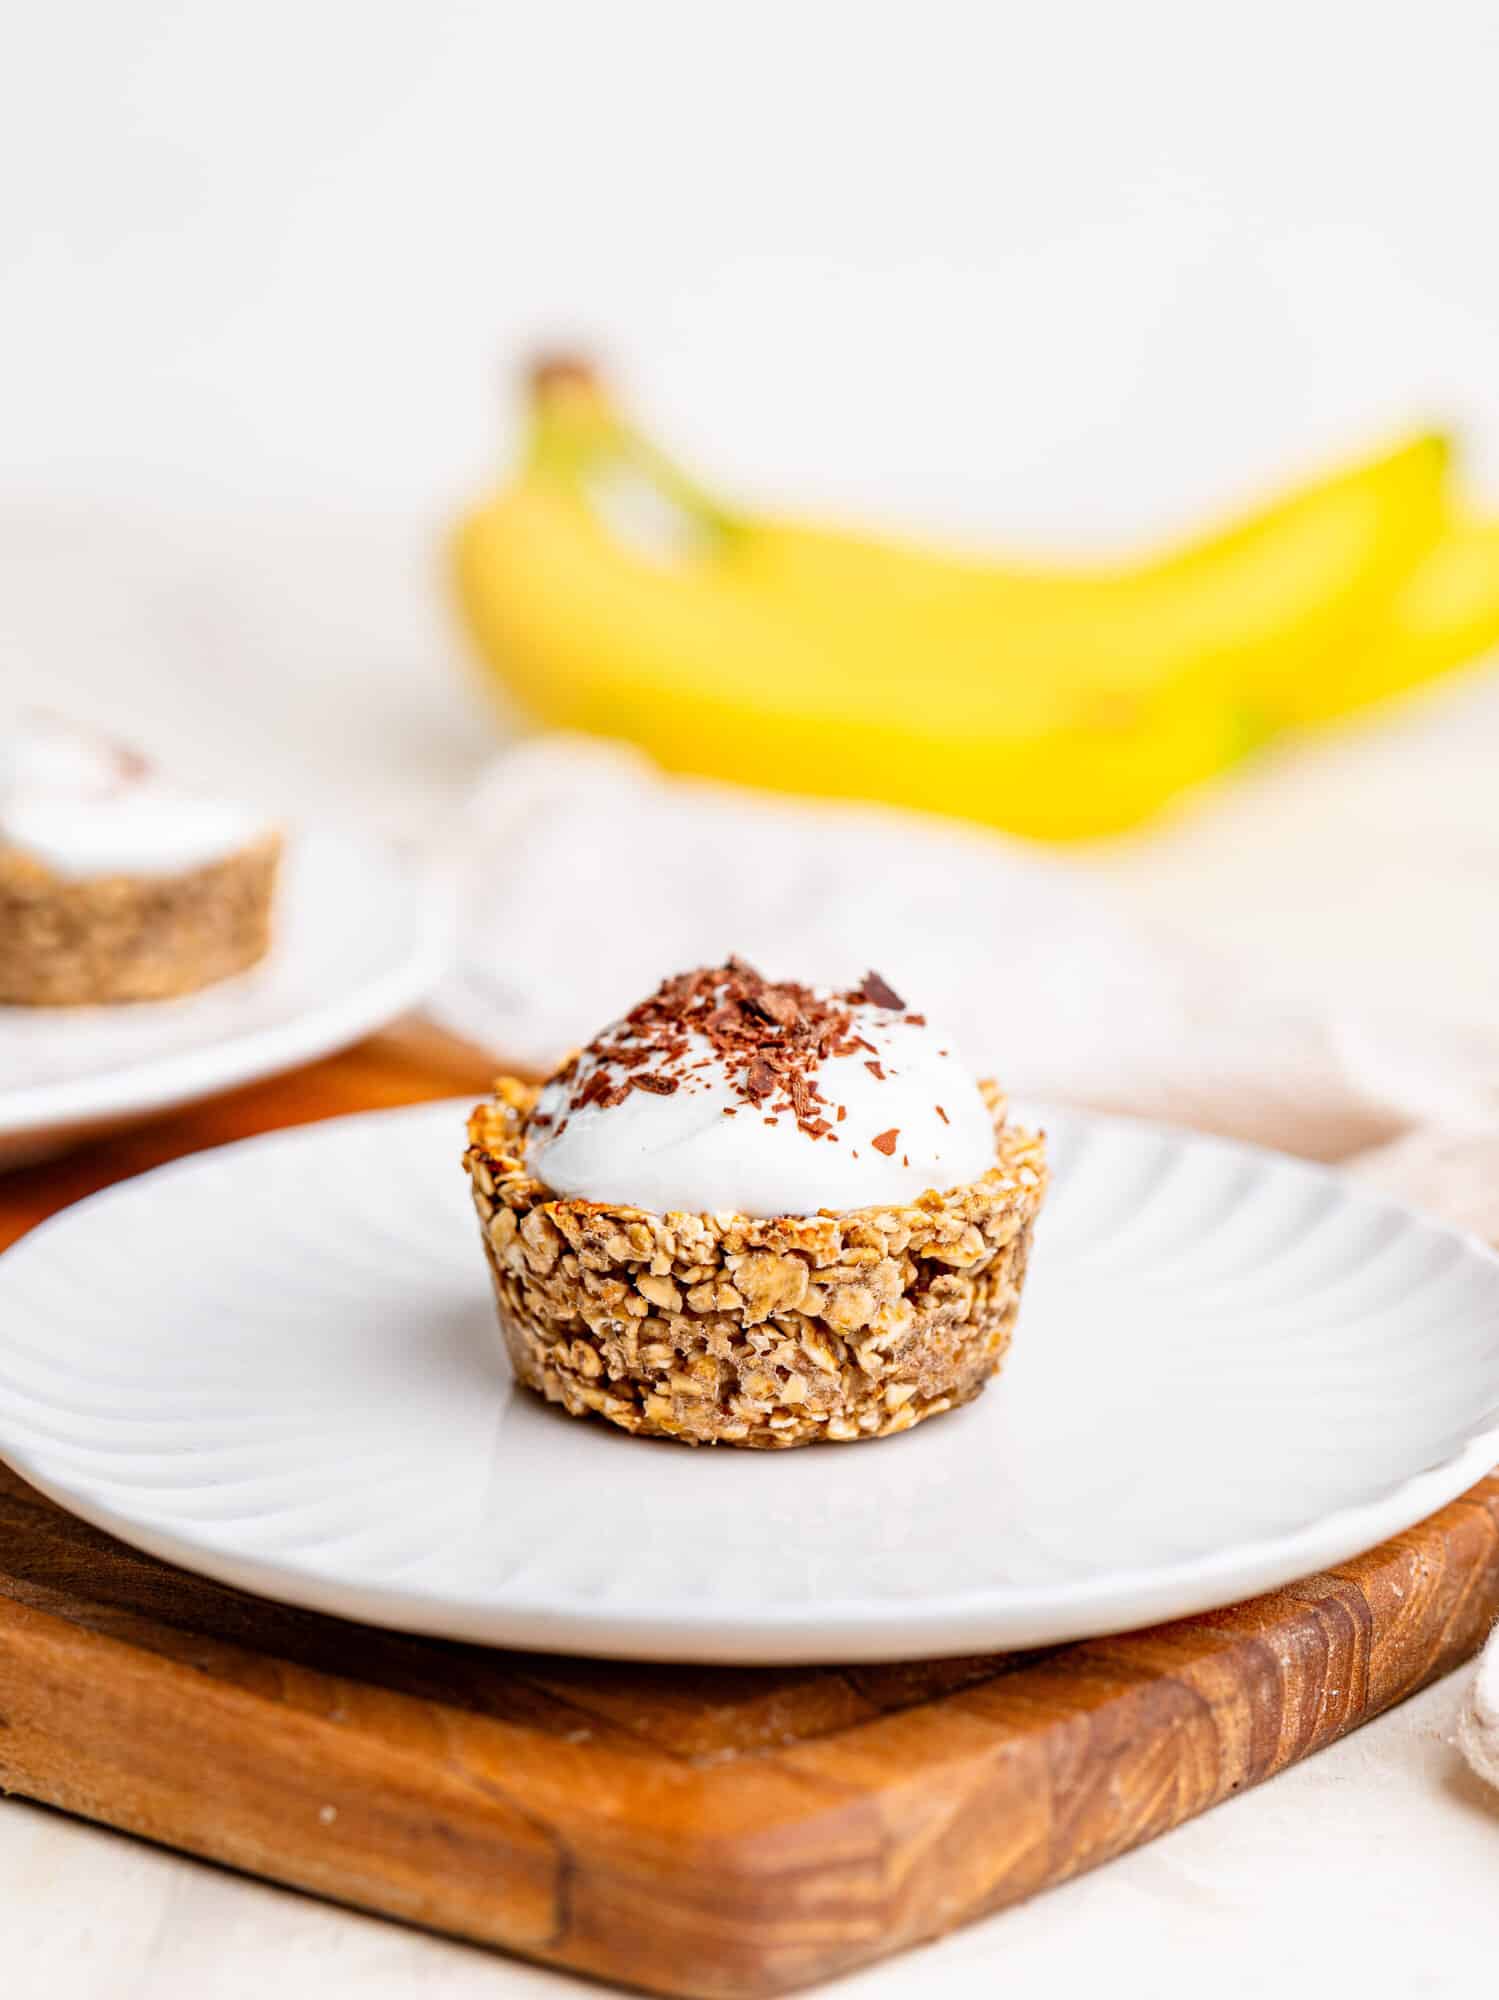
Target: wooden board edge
{"points": [[775, 1872]]}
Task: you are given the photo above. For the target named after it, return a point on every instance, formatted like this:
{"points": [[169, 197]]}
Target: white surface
{"points": [[1231, 1370], [706, 1148], [358, 937]]}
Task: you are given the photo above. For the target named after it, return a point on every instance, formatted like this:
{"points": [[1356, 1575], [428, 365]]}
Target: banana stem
{"points": [[576, 434]]}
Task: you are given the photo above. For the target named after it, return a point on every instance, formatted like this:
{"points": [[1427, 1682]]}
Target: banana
{"points": [[1442, 613], [614, 595]]}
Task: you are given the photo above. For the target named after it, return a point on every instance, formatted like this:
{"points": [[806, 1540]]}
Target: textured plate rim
{"points": [[973, 1621], [159, 1082]]}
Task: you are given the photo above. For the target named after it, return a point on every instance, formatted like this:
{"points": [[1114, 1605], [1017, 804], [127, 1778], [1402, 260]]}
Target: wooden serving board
{"points": [[686, 1830]]}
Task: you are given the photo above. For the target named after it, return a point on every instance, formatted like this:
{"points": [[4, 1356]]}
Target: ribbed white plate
{"points": [[277, 1363], [358, 937]]}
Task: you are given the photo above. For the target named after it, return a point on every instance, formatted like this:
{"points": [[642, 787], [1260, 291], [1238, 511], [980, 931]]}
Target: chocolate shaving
{"points": [[877, 992], [601, 1091], [660, 1086], [774, 1004], [759, 1079]]}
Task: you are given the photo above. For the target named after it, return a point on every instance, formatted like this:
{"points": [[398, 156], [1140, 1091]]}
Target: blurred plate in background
{"points": [[359, 937]]}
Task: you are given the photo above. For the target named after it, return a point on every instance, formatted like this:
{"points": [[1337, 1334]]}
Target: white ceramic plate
{"points": [[277, 1363], [358, 938]]}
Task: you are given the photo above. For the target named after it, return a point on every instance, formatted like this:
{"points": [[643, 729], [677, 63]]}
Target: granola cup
{"points": [[720, 1329], [115, 938]]}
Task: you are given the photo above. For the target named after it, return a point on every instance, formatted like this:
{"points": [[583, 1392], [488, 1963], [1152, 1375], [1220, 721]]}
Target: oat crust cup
{"points": [[762, 1332], [129, 937], [116, 883]]}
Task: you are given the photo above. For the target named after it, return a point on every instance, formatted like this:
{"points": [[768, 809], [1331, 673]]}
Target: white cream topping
{"points": [[84, 806], [705, 1148]]}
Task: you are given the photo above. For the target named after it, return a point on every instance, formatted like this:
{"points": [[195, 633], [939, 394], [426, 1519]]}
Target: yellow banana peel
{"points": [[1442, 614], [611, 594]]}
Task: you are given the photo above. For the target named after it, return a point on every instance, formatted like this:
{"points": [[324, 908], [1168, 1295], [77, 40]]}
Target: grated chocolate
{"points": [[769, 1038]]}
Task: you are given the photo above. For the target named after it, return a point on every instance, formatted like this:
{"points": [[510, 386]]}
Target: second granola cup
{"points": [[763, 1333]]}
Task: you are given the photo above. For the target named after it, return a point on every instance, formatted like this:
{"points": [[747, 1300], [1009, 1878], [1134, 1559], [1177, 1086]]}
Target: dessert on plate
{"points": [[757, 1213], [116, 884]]}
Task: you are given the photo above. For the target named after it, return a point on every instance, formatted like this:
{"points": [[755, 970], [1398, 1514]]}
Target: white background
{"points": [[1063, 271], [1062, 274]]}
